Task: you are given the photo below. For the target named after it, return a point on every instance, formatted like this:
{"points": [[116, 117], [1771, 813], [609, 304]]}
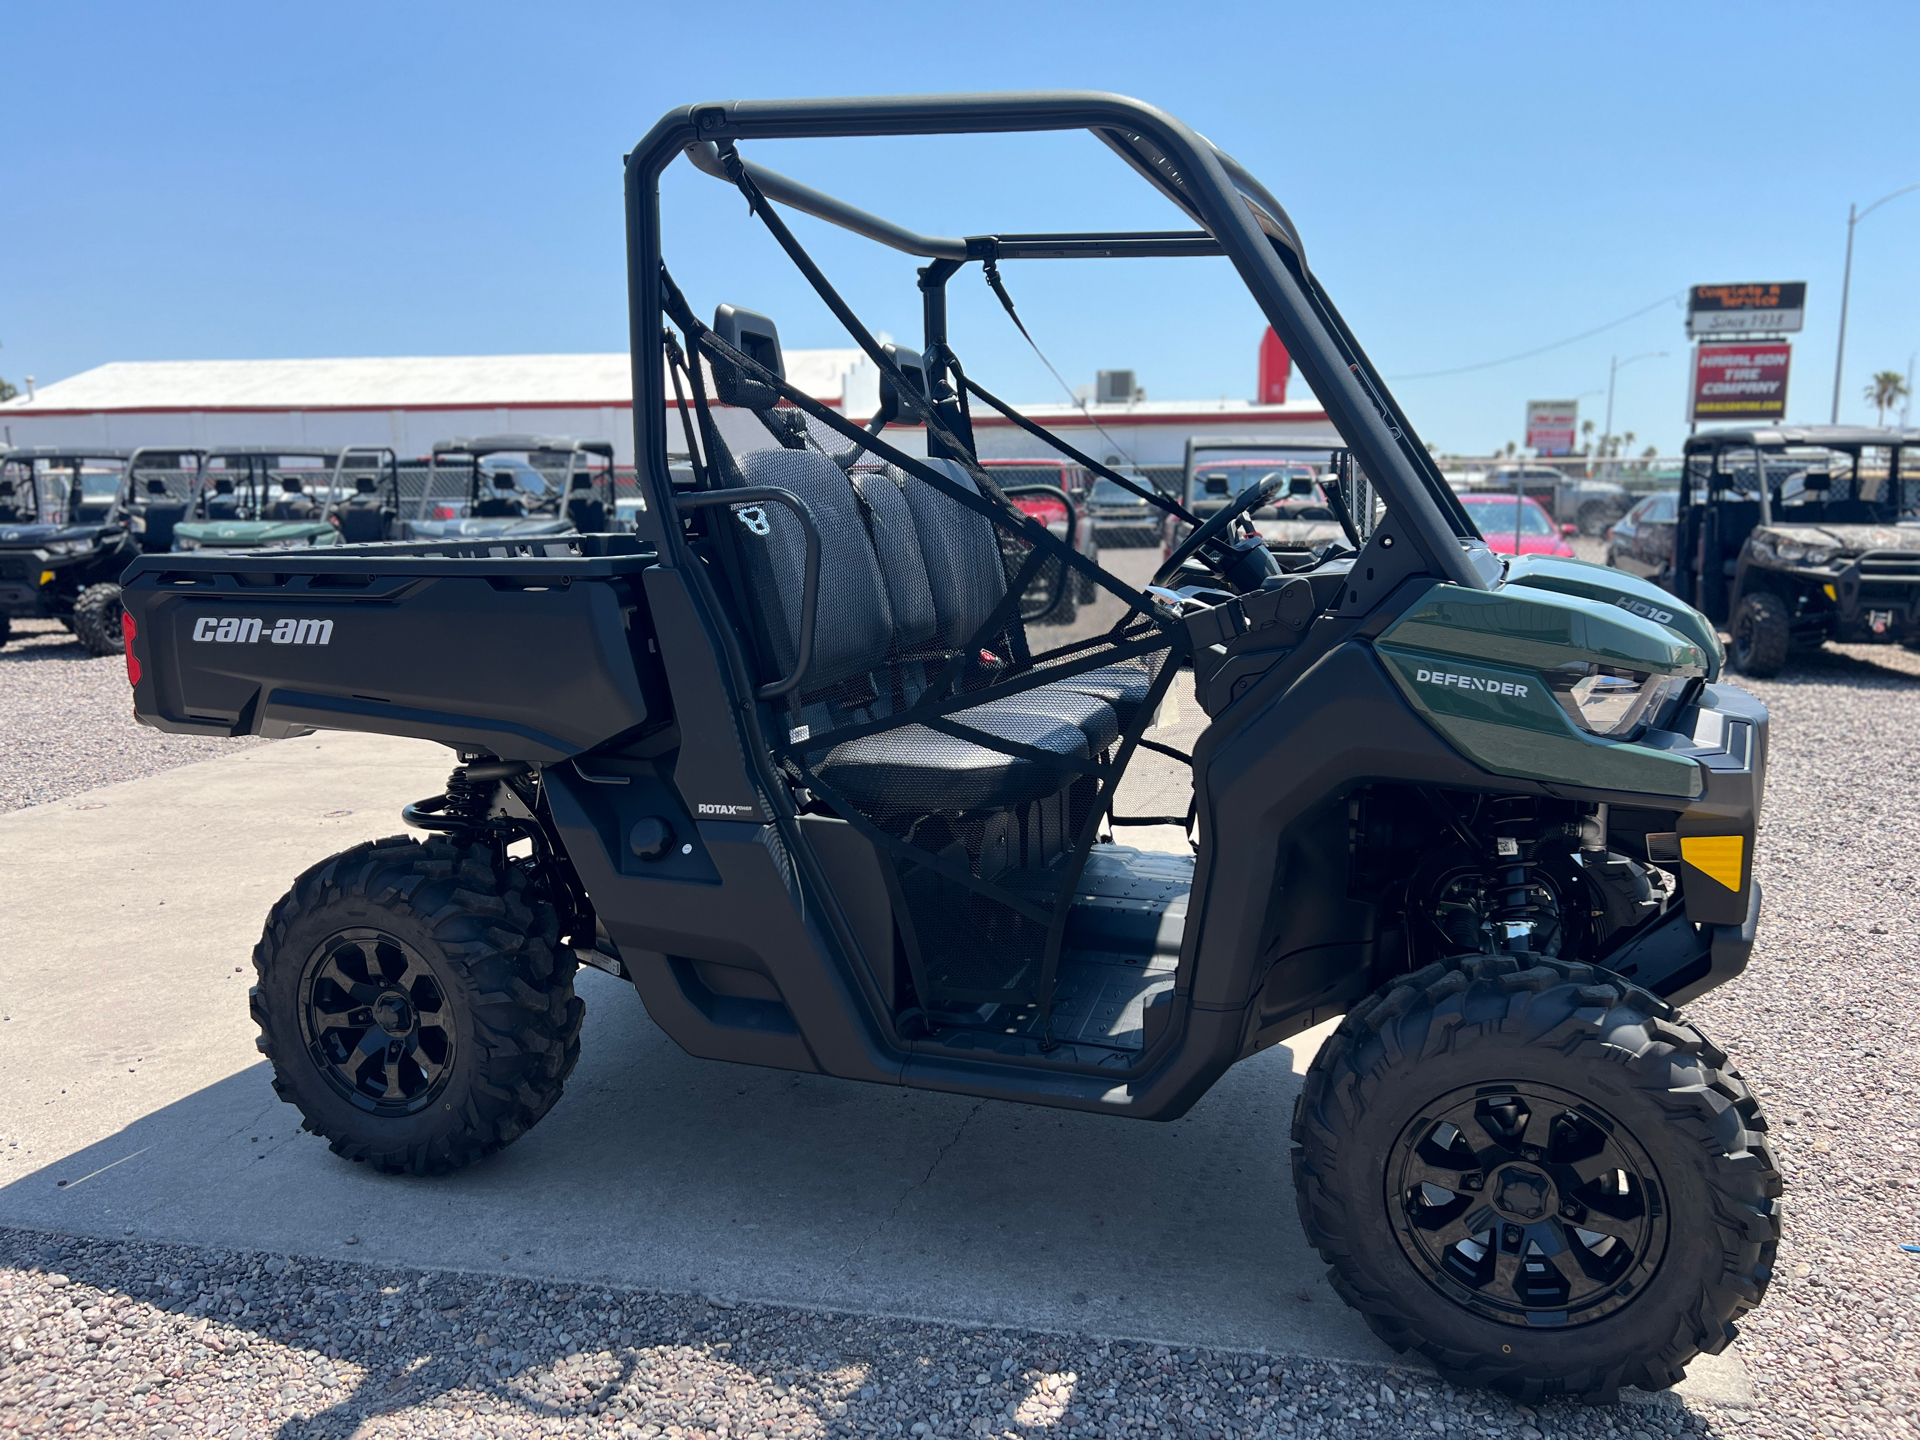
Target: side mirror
{"points": [[1569, 530]]}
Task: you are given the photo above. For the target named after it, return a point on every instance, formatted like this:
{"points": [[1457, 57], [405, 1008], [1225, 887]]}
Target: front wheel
{"points": [[416, 1003], [1537, 1176], [96, 619], [1762, 635]]}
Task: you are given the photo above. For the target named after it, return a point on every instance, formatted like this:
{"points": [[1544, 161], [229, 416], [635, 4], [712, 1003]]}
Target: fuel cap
{"points": [[650, 838]]}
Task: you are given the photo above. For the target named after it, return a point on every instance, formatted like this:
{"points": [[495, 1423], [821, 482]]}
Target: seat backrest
{"points": [[853, 623], [959, 551], [160, 516], [589, 516], [896, 543], [362, 521]]}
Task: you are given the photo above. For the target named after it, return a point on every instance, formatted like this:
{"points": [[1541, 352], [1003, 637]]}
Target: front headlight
{"points": [[65, 547], [1608, 700], [185, 542]]}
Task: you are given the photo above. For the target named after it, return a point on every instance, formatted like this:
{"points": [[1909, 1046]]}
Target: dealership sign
{"points": [[1550, 426], [1774, 309], [1740, 382]]}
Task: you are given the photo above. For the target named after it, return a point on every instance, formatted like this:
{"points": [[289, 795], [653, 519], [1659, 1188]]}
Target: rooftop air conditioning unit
{"points": [[1116, 387]]}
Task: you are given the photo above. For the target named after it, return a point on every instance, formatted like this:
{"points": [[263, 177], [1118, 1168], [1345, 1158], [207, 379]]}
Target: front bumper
{"points": [[1877, 598], [22, 596]]}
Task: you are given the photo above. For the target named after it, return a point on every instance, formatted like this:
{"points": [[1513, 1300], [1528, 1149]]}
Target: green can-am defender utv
{"points": [[269, 497], [787, 759], [1827, 548]]}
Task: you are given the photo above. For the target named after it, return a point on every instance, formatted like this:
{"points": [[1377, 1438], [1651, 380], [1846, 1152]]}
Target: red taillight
{"points": [[126, 634]]}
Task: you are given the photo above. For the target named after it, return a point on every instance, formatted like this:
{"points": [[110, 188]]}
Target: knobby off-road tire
{"points": [[1762, 635], [1600, 1072], [416, 1003], [96, 619]]}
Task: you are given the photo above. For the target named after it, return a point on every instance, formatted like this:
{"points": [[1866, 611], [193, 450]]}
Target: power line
{"points": [[1558, 344]]}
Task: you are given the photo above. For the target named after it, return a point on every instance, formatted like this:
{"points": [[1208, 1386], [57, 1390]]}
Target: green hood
{"points": [[1634, 595], [253, 534]]}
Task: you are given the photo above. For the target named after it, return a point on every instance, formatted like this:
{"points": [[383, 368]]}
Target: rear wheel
{"points": [[1594, 518], [1536, 1175], [415, 1003], [1762, 634], [6, 629], [96, 619]]}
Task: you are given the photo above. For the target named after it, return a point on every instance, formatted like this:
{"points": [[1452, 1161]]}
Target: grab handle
{"points": [[810, 587]]}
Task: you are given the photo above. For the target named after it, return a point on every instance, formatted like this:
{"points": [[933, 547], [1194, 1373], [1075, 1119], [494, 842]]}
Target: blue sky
{"points": [[231, 181]]}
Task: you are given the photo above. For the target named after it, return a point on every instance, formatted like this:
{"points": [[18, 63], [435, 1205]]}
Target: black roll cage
{"points": [[333, 460], [74, 460], [1762, 444], [1240, 220], [578, 453]]}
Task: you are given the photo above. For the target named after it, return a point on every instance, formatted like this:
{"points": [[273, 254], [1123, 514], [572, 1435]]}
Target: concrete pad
{"points": [[132, 1101]]}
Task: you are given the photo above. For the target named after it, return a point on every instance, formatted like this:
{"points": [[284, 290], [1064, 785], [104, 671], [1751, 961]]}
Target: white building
{"points": [[409, 402]]}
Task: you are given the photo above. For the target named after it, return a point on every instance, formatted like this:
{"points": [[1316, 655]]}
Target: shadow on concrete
{"points": [[658, 1171]]}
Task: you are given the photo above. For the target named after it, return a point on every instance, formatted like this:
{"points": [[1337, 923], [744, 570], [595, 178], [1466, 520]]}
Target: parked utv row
{"points": [[71, 519], [790, 760]]}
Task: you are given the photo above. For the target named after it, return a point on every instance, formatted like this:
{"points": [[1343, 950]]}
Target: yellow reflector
{"points": [[1832, 594], [1717, 856], [46, 577]]}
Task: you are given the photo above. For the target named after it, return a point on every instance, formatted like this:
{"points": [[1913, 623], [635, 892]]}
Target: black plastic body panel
{"points": [[505, 657]]}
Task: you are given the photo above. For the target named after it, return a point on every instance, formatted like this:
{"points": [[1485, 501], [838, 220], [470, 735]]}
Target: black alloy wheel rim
{"points": [[1527, 1205], [1742, 641], [377, 1022]]}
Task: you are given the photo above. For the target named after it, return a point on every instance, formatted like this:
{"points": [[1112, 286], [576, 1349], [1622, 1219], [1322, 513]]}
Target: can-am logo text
{"points": [[1470, 682], [250, 631]]}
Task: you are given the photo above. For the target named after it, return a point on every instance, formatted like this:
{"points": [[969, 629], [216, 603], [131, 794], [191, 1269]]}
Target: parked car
{"points": [[1569, 499], [1516, 525], [1071, 480], [1641, 541]]}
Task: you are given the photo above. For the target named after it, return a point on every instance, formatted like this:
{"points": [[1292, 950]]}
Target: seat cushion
{"points": [[1094, 717], [917, 771], [1124, 687]]}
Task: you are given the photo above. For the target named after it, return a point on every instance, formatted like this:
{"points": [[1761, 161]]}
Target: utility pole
{"points": [[1613, 372], [1854, 217]]}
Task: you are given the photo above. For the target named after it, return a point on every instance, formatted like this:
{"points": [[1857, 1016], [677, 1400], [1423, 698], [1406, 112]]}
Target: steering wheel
{"points": [[1209, 532]]}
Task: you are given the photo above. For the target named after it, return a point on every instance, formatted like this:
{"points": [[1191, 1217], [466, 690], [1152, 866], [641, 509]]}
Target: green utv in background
{"points": [[256, 497], [786, 758]]}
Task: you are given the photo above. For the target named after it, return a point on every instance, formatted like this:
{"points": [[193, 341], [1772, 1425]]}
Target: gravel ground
{"points": [[126, 1338], [68, 722], [108, 1338]]}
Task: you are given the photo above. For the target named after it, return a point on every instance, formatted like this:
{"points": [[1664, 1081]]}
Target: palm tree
{"points": [[1885, 391]]}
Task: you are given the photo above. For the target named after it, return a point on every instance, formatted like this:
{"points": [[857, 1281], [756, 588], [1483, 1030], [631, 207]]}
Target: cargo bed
{"points": [[532, 650]]}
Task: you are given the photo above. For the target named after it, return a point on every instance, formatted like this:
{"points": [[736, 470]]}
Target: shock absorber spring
{"points": [[468, 798], [1523, 910]]}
